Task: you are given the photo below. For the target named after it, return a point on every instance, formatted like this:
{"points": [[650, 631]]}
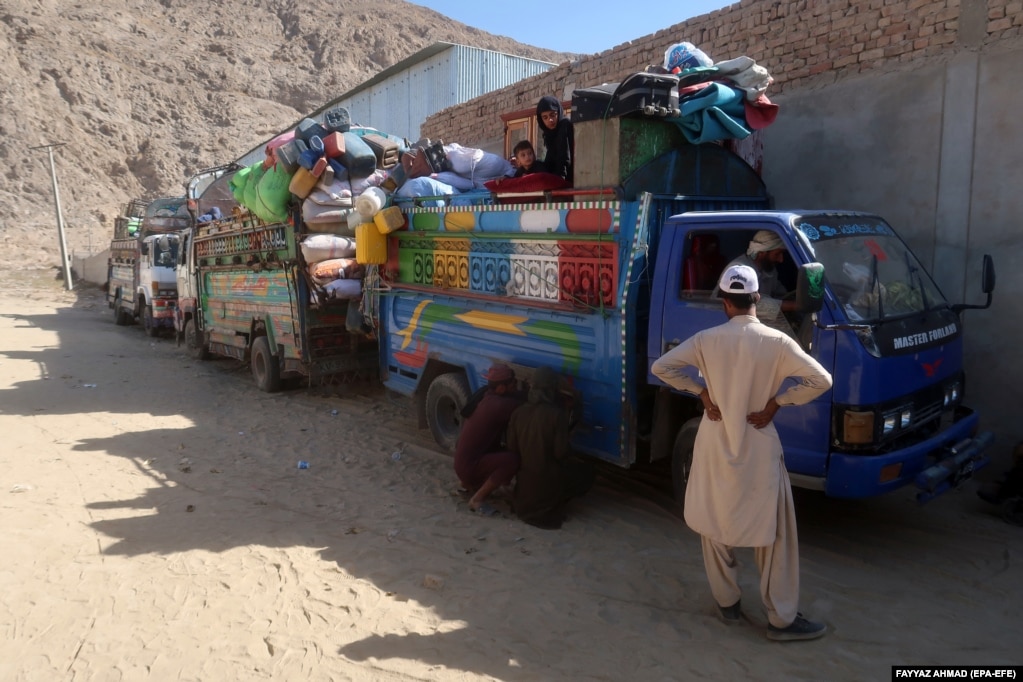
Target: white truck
{"points": [[141, 279]]}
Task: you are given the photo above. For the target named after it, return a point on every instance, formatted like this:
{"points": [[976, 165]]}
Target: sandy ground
{"points": [[154, 526]]}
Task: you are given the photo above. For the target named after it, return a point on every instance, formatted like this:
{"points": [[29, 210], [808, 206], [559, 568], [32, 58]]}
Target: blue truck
{"points": [[598, 283]]}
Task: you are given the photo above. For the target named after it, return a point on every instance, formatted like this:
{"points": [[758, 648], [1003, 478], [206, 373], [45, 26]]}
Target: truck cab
{"points": [[141, 283], [890, 339], [156, 294]]}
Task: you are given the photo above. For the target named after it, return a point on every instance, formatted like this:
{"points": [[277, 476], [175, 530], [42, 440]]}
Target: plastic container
{"points": [[302, 183], [370, 245], [370, 202], [389, 219]]}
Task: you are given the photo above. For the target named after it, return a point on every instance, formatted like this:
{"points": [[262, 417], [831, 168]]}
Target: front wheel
{"points": [[265, 368], [194, 343], [682, 458], [447, 395], [148, 323]]}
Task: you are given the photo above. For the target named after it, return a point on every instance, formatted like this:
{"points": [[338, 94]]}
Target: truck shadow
{"points": [[378, 506]]}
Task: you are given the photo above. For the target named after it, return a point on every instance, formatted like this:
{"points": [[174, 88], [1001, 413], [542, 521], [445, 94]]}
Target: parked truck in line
{"points": [[246, 294], [600, 280], [141, 280], [599, 289]]}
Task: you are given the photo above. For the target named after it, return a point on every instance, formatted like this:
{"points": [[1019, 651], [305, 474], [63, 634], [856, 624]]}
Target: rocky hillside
{"points": [[142, 92]]}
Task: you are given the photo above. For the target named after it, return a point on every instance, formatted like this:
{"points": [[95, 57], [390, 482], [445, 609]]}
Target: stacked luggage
{"points": [[649, 94]]}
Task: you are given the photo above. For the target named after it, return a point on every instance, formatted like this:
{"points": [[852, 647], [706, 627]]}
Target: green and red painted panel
{"points": [[557, 252]]}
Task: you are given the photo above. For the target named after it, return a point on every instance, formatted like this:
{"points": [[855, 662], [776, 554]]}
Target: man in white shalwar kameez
{"points": [[738, 493]]}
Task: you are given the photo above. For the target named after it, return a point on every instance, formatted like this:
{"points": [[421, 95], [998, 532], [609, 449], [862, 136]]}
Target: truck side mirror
{"points": [[144, 249], [987, 275], [987, 285], [810, 288]]}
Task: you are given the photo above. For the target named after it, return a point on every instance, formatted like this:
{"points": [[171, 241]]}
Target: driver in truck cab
{"points": [[765, 253]]}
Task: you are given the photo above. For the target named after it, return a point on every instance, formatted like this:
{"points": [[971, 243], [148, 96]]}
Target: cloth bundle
{"points": [[719, 101], [331, 266], [327, 271]]}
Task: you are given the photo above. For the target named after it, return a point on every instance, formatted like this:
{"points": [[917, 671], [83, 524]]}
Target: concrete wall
{"points": [[933, 151], [92, 269], [908, 109]]}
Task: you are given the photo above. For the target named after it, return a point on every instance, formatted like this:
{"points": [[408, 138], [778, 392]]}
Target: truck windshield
{"points": [[871, 272], [165, 252]]}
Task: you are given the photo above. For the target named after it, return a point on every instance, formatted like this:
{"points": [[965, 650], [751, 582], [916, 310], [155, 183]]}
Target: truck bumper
{"points": [[163, 314], [935, 465]]}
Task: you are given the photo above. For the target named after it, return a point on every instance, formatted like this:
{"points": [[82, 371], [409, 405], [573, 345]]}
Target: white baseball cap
{"points": [[739, 279]]}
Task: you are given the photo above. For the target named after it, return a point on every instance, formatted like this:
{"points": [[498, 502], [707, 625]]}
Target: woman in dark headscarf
{"points": [[558, 136]]}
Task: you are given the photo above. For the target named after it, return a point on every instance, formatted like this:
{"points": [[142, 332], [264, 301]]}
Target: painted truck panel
{"points": [[250, 282]]}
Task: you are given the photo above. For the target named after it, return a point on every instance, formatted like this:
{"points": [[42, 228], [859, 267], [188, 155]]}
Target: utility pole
{"points": [[65, 258]]}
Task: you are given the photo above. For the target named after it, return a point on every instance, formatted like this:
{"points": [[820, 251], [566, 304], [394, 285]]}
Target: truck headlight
{"points": [[858, 427], [896, 419]]}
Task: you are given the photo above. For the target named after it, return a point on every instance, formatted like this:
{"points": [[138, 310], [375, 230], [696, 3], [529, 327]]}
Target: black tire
{"points": [[194, 343], [447, 395], [148, 323], [120, 317], [265, 367], [682, 458]]}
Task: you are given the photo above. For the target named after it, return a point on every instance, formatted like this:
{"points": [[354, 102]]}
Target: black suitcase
{"points": [[652, 94], [592, 104], [649, 94]]}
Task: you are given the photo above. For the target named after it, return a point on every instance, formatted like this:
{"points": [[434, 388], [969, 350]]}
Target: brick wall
{"points": [[802, 43]]}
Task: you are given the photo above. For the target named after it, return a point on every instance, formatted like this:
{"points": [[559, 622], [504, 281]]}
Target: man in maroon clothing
{"points": [[481, 463]]}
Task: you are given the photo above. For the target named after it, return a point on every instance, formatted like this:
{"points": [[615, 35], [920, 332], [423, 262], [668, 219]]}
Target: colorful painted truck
{"points": [[248, 297], [599, 285], [141, 269]]}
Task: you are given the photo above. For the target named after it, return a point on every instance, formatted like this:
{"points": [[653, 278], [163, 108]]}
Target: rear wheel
{"points": [[194, 342], [682, 458], [265, 368], [447, 395]]}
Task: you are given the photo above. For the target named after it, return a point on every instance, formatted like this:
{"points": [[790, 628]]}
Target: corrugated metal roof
{"points": [[401, 97]]}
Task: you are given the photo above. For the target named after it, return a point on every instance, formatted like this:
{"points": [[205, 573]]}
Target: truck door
{"points": [[698, 256]]}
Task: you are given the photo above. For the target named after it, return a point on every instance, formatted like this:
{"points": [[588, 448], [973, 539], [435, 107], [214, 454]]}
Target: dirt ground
{"points": [[155, 526]]}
